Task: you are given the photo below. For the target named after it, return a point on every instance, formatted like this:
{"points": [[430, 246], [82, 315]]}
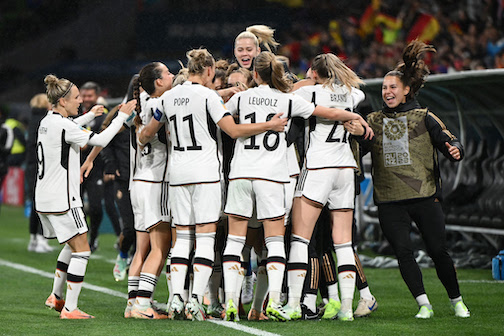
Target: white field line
{"points": [[97, 256], [232, 325], [482, 281]]}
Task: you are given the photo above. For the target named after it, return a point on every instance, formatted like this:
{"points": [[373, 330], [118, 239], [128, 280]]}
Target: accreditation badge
{"points": [[395, 142]]}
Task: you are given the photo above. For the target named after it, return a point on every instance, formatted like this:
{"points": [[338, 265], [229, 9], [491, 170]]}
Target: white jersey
{"points": [[264, 156], [192, 112], [151, 164], [328, 145], [57, 186]]}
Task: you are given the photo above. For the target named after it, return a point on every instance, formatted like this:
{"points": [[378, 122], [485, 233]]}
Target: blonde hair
{"points": [[233, 68], [272, 71], [40, 101], [57, 88], [198, 61], [260, 34], [181, 77], [331, 68]]}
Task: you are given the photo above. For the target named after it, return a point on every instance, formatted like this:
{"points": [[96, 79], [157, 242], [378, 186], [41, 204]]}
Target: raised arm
{"points": [[106, 135], [235, 131], [85, 119], [149, 131]]}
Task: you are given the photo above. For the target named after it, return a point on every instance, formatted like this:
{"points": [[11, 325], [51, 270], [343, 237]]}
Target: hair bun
{"points": [[50, 80]]}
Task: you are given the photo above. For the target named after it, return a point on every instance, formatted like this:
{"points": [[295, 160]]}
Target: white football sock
{"points": [[75, 277], [231, 265], [275, 266], [346, 273], [60, 275], [297, 266], [203, 262]]}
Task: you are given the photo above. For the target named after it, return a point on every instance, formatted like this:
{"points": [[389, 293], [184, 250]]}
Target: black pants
{"points": [[93, 185], [395, 221], [123, 201], [110, 206]]}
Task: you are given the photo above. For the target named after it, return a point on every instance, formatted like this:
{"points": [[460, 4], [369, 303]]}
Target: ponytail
{"points": [[272, 71]]}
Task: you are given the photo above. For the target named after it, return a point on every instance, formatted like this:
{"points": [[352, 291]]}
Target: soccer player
{"points": [[193, 112], [57, 193], [149, 196], [327, 178], [259, 171]]}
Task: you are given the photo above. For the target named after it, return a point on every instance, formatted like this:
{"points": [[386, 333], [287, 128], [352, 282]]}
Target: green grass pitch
{"points": [[22, 311]]}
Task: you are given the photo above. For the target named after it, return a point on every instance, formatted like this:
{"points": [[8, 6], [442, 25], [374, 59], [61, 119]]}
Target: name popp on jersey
{"points": [[180, 101], [263, 101]]}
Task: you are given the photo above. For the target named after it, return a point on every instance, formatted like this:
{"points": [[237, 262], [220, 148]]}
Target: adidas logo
{"points": [[196, 269], [272, 268], [174, 269], [58, 275], [302, 275], [69, 287], [234, 268], [348, 276]]}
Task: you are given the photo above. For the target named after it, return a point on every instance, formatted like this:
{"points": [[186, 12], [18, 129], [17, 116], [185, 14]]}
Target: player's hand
{"points": [[97, 110], [277, 124], [86, 168], [108, 177], [354, 127], [454, 151], [129, 107]]}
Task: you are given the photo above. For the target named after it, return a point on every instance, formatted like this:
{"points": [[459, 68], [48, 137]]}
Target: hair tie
{"points": [[66, 92]]}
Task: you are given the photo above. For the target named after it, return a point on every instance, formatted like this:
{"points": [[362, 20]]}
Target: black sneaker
{"points": [[308, 314]]}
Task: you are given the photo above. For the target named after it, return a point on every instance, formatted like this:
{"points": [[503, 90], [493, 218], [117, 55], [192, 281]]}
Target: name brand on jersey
{"points": [[263, 101], [338, 98], [180, 101], [42, 130]]}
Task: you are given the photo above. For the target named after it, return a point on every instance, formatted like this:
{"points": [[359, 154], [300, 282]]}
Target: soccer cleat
{"points": [[194, 310], [75, 314], [275, 312], [247, 293], [53, 303], [331, 309], [231, 311], [127, 311], [365, 307], [216, 310], [147, 314], [424, 313], [176, 310], [255, 315], [293, 313], [308, 314], [461, 310], [346, 316], [120, 268]]}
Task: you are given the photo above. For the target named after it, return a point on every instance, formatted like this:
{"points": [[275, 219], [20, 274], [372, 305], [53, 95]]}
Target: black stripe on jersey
{"points": [[313, 120], [162, 134], [65, 151], [238, 109], [290, 109], [212, 127]]}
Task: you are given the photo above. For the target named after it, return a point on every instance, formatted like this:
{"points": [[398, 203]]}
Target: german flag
{"points": [[425, 29], [367, 20]]}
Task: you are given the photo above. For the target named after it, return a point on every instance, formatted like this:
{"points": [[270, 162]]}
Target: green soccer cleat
{"points": [[331, 310], [346, 316], [275, 312], [231, 311], [424, 313], [461, 310], [293, 313]]}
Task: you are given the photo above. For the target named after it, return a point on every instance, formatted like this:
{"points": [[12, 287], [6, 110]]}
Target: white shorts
{"points": [[334, 186], [196, 203], [64, 226], [269, 198], [149, 202]]}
